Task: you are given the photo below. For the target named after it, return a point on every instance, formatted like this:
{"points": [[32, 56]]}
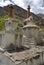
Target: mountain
{"points": [[21, 13], [41, 15], [42, 18], [17, 11]]}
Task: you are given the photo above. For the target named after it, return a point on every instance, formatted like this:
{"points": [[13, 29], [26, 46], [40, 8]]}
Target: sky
{"points": [[37, 6]]}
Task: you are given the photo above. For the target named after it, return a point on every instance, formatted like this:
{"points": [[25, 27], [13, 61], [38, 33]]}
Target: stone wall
{"points": [[42, 33]]}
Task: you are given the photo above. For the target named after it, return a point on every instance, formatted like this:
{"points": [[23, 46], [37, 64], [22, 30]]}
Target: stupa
{"points": [[31, 30]]}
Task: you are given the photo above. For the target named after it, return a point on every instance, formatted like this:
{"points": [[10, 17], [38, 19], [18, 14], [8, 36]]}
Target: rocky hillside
{"points": [[21, 13], [42, 18], [17, 11], [41, 15]]}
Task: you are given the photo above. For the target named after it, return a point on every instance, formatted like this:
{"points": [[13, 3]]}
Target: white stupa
{"points": [[31, 30]]}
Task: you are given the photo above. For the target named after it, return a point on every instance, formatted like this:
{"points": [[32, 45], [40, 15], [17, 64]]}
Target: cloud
{"points": [[19, 2], [37, 6], [7, 2]]}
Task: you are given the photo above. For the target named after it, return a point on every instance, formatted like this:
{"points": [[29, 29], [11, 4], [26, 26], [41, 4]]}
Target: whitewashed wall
{"points": [[7, 39], [1, 36], [30, 35]]}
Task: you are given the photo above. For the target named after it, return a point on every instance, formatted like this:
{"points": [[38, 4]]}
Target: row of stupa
{"points": [[19, 37]]}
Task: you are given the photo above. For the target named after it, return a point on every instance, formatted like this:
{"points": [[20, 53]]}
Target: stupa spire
{"points": [[11, 11], [28, 12]]}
